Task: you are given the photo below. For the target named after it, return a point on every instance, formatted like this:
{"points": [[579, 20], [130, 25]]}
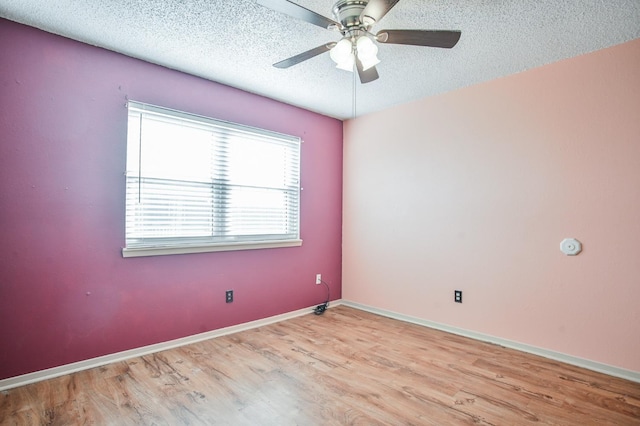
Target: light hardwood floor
{"points": [[344, 367]]}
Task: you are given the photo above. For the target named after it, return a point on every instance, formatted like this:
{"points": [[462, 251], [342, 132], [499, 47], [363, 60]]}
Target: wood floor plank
{"points": [[346, 367]]}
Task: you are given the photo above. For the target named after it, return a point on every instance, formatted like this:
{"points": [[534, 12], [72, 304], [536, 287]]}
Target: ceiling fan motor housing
{"points": [[348, 12]]}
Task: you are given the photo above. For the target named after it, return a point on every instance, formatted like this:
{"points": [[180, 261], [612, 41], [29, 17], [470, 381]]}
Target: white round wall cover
{"points": [[570, 246]]}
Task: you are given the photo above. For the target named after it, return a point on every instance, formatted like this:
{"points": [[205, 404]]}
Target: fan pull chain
{"points": [[353, 101]]}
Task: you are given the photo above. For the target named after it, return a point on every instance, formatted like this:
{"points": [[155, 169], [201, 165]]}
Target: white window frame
{"points": [[154, 246]]}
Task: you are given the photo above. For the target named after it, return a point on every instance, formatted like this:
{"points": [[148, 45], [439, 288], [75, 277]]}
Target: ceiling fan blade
{"points": [[366, 76], [304, 56], [299, 12], [375, 10], [430, 38]]}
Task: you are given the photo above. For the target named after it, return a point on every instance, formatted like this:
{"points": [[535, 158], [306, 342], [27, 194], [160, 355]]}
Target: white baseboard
{"points": [[50, 373], [633, 376]]}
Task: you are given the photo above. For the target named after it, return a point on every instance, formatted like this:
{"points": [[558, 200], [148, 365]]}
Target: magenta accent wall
{"points": [[475, 189], [66, 293]]}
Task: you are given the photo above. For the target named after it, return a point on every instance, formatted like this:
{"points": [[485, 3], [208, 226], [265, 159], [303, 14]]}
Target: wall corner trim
{"points": [[622, 373], [50, 373]]}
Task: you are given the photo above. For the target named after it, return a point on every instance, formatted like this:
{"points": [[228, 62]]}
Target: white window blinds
{"points": [[195, 182]]}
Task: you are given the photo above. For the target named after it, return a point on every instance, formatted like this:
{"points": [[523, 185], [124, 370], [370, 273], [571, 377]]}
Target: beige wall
{"points": [[475, 189]]}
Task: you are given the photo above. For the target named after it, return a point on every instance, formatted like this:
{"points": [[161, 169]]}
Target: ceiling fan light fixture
{"points": [[367, 52], [342, 54], [347, 64], [369, 63]]}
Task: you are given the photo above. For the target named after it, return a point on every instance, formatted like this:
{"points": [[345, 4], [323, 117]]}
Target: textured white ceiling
{"points": [[235, 42]]}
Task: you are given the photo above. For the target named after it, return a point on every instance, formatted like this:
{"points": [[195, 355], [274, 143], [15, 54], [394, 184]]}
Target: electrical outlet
{"points": [[318, 278], [229, 296], [457, 296]]}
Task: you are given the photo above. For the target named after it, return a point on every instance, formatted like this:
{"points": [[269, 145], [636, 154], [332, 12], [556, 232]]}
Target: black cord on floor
{"points": [[319, 310]]}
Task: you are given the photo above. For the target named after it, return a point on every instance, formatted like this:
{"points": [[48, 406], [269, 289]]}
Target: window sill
{"points": [[162, 251]]}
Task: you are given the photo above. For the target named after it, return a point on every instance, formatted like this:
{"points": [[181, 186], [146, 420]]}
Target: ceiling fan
{"points": [[354, 19]]}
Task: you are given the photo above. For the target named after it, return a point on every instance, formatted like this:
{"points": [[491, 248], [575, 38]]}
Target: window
{"points": [[196, 184]]}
